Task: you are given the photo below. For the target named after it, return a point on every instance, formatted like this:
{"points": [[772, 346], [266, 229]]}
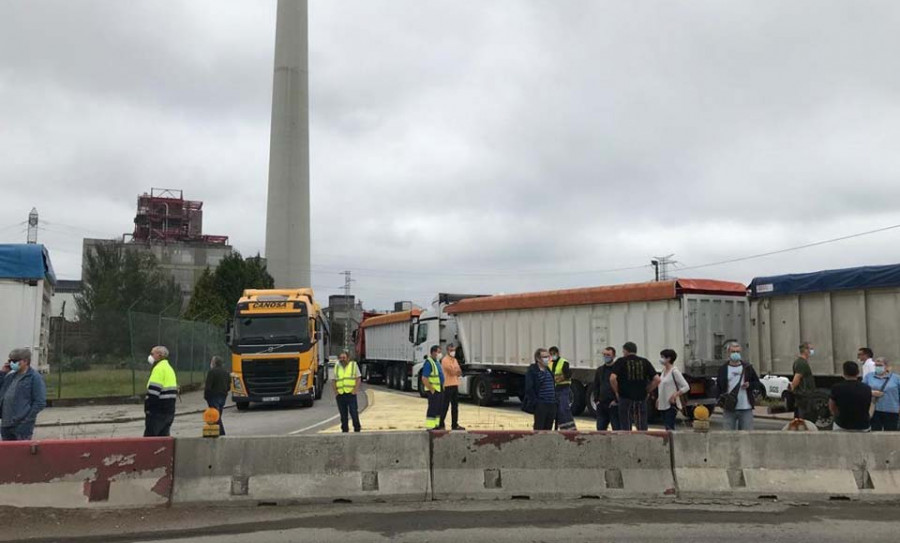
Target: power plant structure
{"points": [[288, 215]]}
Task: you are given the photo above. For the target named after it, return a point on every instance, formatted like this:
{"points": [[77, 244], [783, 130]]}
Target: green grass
{"points": [[101, 382]]}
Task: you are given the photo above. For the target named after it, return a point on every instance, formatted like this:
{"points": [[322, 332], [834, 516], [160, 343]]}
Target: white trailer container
{"points": [[697, 318], [388, 349], [394, 346], [838, 311], [26, 290]]}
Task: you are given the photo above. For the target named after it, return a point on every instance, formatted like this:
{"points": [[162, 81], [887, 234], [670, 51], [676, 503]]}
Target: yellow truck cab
{"points": [[278, 342]]}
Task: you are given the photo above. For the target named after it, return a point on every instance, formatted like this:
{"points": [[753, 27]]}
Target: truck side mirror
{"points": [[229, 334]]}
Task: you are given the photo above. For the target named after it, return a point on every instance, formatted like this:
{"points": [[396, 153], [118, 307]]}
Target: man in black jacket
{"points": [[604, 397], [738, 378], [218, 383]]}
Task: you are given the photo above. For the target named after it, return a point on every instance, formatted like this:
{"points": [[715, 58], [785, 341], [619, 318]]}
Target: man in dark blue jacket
{"points": [[22, 396], [540, 391]]}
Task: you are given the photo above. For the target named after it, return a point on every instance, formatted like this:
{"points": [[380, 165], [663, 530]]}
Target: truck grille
{"points": [[270, 377]]}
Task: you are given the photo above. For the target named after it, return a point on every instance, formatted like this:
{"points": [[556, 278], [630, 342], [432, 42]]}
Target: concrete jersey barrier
{"points": [[808, 465], [87, 473], [550, 465], [303, 468]]}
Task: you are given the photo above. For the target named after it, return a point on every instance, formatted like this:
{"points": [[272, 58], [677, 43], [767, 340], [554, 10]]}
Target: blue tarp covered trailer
{"points": [[26, 262], [838, 311], [26, 290], [866, 277]]}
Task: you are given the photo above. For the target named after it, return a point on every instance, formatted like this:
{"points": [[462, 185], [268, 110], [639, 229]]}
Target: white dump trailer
{"points": [[696, 318], [385, 348], [838, 311], [26, 290]]}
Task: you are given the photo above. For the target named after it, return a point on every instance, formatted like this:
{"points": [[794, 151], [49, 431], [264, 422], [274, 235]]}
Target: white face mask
{"points": [[452, 354], [545, 360], [151, 360]]}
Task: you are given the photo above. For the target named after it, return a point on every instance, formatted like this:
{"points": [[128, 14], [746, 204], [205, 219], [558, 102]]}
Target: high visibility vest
{"points": [[558, 370], [345, 377], [435, 378], [162, 382]]}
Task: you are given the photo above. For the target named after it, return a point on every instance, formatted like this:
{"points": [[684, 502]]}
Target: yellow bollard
{"points": [[211, 422], [701, 419]]}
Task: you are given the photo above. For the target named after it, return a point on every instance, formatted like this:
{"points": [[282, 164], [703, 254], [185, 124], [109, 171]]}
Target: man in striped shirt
{"points": [[162, 390]]}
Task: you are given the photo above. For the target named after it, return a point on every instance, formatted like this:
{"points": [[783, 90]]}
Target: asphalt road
{"points": [[260, 420], [498, 522], [585, 422]]}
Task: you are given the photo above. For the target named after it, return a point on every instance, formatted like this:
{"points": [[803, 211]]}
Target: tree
{"points": [[216, 293], [117, 279]]}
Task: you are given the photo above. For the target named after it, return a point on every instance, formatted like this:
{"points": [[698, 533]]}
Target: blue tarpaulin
{"points": [[25, 262], [849, 278]]}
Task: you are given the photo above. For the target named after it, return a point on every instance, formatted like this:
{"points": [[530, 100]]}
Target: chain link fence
{"points": [[108, 357]]}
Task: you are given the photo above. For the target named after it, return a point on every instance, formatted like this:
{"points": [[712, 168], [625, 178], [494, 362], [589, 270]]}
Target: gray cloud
{"points": [[467, 146]]}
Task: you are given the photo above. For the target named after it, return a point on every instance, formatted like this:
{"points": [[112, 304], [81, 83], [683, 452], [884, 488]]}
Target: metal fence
{"points": [[108, 357]]}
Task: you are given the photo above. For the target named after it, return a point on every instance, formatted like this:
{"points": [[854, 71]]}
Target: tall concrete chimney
{"points": [[287, 219]]}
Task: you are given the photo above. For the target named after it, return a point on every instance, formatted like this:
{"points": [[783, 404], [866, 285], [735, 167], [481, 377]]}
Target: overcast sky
{"points": [[470, 146]]}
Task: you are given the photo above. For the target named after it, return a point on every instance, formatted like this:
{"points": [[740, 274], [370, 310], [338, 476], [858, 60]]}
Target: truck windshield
{"points": [[267, 331]]}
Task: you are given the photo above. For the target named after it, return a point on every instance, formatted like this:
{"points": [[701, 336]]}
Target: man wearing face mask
{"points": [[739, 379], [162, 391], [433, 381], [22, 396], [540, 391], [452, 373], [604, 397], [803, 384], [885, 387], [562, 376]]}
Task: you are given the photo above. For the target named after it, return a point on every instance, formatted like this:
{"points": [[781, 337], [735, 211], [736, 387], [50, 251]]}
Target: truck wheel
{"points": [[242, 406], [483, 394], [392, 377], [579, 400], [589, 401], [688, 412], [319, 384], [405, 384]]}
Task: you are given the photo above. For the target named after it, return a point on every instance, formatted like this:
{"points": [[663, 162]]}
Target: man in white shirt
{"points": [[866, 360]]}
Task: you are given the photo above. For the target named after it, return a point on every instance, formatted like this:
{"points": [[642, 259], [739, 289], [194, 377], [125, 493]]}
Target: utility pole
{"points": [[348, 307], [33, 226], [661, 265]]}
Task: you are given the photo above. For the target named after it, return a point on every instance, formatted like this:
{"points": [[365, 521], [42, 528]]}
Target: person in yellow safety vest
{"points": [[562, 376], [433, 381], [346, 385], [162, 391]]}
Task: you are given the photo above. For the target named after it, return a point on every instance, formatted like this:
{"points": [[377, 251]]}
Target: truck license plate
{"points": [[271, 399]]}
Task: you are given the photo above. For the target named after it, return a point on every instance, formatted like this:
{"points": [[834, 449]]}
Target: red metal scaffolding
{"points": [[164, 215]]}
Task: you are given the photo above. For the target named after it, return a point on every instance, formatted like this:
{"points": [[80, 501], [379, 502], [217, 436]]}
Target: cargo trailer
{"points": [[26, 290], [695, 317], [838, 311]]}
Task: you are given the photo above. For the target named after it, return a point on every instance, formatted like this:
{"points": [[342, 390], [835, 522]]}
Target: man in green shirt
{"points": [[804, 384]]}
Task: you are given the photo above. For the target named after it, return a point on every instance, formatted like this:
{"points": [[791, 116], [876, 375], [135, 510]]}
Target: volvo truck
{"points": [[278, 341]]}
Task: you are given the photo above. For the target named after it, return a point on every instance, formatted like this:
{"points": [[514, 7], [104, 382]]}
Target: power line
{"points": [[382, 271], [789, 249]]}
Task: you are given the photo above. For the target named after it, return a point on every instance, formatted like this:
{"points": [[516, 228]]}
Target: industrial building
{"points": [[344, 314], [171, 228]]}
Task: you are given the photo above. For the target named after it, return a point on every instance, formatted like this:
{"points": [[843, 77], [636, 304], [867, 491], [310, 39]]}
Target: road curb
{"points": [[115, 421]]}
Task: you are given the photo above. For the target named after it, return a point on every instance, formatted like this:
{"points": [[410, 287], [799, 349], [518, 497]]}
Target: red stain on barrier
{"points": [[97, 463], [498, 438], [670, 492], [577, 438]]}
